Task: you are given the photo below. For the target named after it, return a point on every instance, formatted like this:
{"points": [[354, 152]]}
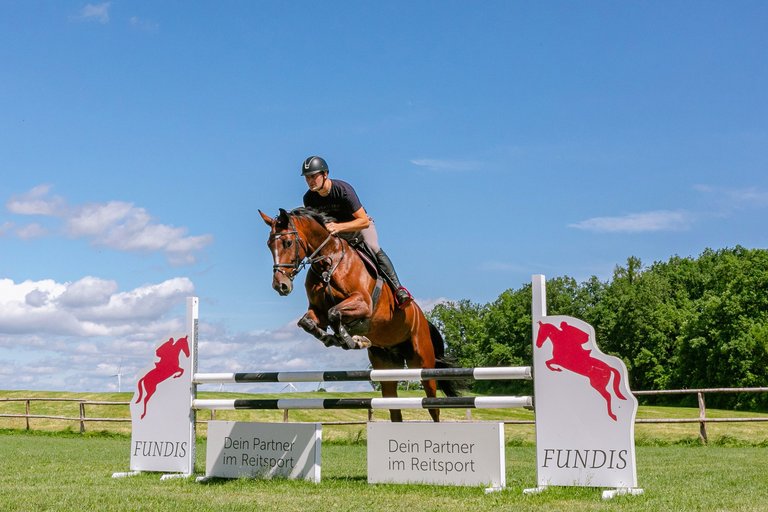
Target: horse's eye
{"points": [[287, 243]]}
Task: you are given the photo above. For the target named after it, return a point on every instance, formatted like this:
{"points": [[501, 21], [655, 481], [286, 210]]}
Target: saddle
{"points": [[365, 252]]}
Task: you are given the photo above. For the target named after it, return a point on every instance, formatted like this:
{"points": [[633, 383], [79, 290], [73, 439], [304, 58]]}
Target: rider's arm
{"points": [[359, 223]]}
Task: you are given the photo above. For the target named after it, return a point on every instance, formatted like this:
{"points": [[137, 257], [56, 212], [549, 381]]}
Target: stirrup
{"points": [[403, 297]]}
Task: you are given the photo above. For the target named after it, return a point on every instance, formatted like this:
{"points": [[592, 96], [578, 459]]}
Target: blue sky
{"points": [[489, 141]]}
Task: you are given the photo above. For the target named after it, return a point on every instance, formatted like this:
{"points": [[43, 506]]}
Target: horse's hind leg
{"points": [[150, 389], [422, 355], [387, 360], [598, 379], [616, 383], [389, 390], [430, 386]]}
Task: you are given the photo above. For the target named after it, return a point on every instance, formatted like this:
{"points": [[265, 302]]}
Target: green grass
{"points": [[67, 471], [54, 467]]}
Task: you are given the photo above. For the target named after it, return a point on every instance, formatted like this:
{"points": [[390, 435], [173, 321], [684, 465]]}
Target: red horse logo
{"points": [[568, 353], [165, 368]]}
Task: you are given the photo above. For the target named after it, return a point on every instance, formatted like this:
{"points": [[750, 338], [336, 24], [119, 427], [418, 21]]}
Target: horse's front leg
{"points": [[550, 364], [179, 372], [354, 307], [311, 323]]}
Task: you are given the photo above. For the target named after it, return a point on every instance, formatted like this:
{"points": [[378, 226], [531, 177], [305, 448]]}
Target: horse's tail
{"points": [[616, 381], [449, 387], [140, 389]]}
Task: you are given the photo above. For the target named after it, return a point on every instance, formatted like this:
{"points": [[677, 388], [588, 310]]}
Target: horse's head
{"points": [[544, 331], [286, 248], [183, 344]]}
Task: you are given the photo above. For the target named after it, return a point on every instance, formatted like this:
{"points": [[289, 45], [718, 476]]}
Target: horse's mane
{"points": [[317, 215]]}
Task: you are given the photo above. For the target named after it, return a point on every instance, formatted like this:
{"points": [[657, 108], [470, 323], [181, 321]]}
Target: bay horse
{"points": [[167, 367], [568, 353], [346, 296]]}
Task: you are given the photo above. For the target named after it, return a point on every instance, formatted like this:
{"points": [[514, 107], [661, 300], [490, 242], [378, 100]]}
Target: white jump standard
{"points": [[584, 409]]}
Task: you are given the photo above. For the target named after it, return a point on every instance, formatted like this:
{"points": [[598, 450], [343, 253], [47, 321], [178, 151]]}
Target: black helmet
{"points": [[313, 165]]}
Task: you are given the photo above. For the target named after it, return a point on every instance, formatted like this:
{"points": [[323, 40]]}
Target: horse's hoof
{"points": [[362, 342], [334, 316]]}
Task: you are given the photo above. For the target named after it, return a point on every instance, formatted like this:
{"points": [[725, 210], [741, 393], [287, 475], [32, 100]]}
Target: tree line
{"points": [[683, 323]]}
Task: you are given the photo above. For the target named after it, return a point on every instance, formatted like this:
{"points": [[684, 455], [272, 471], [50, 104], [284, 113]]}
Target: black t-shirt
{"points": [[341, 203]]}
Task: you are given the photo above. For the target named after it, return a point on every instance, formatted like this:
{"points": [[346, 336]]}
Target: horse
{"points": [[346, 295], [165, 368], [568, 353]]}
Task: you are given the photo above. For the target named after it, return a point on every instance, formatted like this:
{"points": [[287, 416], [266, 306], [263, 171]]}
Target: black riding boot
{"points": [[385, 265]]}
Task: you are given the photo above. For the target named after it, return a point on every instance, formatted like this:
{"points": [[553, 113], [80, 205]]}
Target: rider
{"points": [[339, 200]]}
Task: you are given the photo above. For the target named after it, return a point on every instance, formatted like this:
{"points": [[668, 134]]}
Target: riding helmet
{"points": [[313, 165]]}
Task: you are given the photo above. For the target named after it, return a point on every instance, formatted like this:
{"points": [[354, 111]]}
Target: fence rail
{"points": [[82, 418], [702, 420]]}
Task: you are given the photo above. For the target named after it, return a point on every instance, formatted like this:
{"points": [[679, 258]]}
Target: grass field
{"points": [[66, 471], [54, 468]]}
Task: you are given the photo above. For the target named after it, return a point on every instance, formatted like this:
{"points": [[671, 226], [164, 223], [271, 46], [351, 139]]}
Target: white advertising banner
{"points": [[162, 432], [585, 411], [437, 453], [263, 450]]}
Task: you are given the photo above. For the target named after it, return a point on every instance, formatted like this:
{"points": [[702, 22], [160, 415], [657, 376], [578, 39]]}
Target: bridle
{"points": [[298, 263]]}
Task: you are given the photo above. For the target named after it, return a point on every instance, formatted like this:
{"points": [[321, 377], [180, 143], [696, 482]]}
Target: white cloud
{"points": [[428, 305], [88, 307], [434, 164], [125, 227], [117, 225], [144, 303], [73, 336], [736, 198], [750, 196], [93, 220], [35, 202], [62, 362], [142, 24], [37, 298], [88, 292], [95, 12], [31, 231], [653, 221], [721, 201]]}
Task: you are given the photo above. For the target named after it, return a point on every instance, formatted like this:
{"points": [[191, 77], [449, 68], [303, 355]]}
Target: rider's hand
{"points": [[332, 228]]}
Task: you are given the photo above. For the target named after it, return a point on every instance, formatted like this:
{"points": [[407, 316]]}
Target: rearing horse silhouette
{"points": [[568, 353], [345, 296], [165, 368]]}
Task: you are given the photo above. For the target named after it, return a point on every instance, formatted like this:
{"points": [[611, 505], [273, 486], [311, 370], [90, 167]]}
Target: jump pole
{"points": [[491, 402]]}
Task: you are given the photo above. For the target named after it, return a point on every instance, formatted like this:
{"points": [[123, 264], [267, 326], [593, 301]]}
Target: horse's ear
{"points": [[282, 218], [267, 219]]}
